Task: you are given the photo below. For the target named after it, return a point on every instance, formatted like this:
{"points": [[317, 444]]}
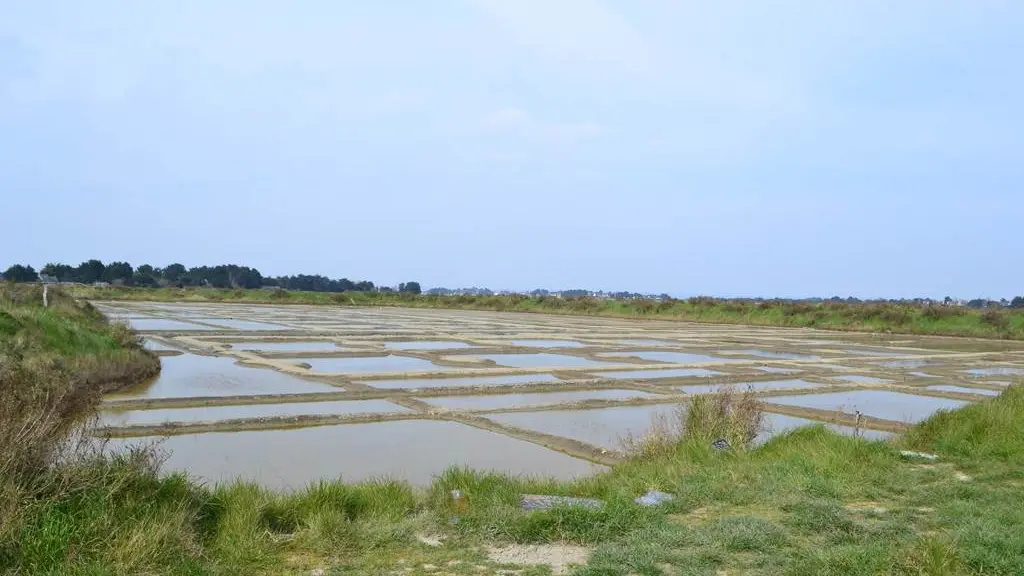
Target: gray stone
{"points": [[544, 502], [909, 454], [654, 498]]}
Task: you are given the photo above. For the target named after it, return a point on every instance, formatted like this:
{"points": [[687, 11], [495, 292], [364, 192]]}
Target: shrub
{"points": [[735, 306], [729, 414], [938, 312], [996, 318], [896, 314], [643, 306], [797, 308], [706, 301]]}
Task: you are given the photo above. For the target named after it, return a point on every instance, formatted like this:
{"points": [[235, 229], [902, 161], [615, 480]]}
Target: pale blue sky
{"points": [[775, 148]]}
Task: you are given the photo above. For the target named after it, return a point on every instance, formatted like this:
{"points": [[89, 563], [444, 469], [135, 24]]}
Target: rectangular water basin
{"points": [[962, 389], [150, 344], [654, 374], [290, 346], [414, 383], [673, 357], [795, 384], [833, 367], [549, 343], [218, 413], [412, 450], [772, 354], [426, 345], [776, 424], [995, 371], [603, 427], [531, 400], [777, 370], [860, 379], [234, 324], [541, 360], [876, 403], [144, 324], [189, 375], [903, 364], [369, 365]]}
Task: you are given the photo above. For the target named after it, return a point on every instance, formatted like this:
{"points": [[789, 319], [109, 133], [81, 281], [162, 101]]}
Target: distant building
{"points": [[101, 284]]}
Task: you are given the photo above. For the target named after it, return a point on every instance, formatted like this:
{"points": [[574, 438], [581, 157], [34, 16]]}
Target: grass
{"points": [[865, 317], [806, 502], [55, 363]]}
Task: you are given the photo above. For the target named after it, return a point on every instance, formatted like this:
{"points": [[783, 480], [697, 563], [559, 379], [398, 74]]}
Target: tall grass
{"points": [[55, 363], [730, 415]]}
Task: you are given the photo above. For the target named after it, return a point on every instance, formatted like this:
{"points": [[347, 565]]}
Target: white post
{"points": [[46, 302]]}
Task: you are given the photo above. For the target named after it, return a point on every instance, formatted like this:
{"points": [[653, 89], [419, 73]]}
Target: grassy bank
{"points": [[55, 363], [807, 502], [869, 317]]}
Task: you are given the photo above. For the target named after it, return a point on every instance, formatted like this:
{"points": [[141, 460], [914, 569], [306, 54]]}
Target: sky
{"points": [[775, 148]]}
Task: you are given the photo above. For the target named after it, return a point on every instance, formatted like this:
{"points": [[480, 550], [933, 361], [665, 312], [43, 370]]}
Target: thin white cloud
{"points": [[507, 117], [518, 121], [581, 30], [568, 132]]}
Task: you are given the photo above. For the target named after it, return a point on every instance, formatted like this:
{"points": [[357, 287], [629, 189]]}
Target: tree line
{"points": [[235, 276], [177, 275]]}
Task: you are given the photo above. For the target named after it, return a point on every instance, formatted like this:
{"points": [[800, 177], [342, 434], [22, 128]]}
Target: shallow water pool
{"points": [[112, 417], [190, 375], [876, 403], [411, 450], [531, 399]]}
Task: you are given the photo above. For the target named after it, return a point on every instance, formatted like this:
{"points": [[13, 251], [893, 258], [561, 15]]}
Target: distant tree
{"points": [[410, 288], [145, 280], [90, 271], [245, 277], [948, 301], [20, 273], [145, 275], [174, 272], [62, 272], [118, 272], [1017, 302]]}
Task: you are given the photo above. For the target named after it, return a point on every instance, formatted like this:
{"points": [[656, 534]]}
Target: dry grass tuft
{"points": [[730, 415]]}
